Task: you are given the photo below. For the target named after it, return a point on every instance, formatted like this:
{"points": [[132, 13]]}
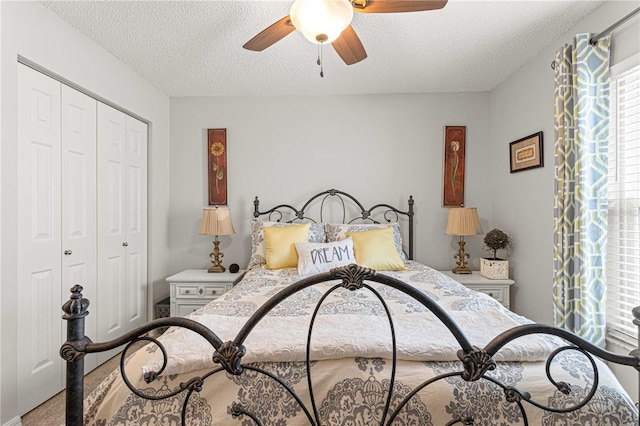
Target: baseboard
{"points": [[13, 422]]}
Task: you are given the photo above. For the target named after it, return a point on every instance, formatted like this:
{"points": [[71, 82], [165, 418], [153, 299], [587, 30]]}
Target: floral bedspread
{"points": [[350, 366], [349, 323]]}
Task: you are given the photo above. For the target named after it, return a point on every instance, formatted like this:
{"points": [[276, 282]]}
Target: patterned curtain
{"points": [[580, 210]]}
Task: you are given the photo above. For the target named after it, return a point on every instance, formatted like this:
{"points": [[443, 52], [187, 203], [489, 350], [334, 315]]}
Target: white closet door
{"points": [[40, 368], [122, 223], [79, 203], [82, 209], [136, 222], [111, 225]]}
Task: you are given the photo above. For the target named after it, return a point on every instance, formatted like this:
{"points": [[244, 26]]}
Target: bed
{"points": [[357, 333]]}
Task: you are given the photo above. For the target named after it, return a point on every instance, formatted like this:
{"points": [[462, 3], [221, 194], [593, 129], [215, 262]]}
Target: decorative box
{"points": [[494, 269]]}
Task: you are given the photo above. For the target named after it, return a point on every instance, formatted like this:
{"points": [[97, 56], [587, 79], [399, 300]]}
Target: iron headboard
{"points": [[388, 213]]}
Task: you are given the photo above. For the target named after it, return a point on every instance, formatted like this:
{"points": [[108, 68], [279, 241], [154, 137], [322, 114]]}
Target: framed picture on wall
{"points": [[455, 141], [526, 153], [217, 144]]}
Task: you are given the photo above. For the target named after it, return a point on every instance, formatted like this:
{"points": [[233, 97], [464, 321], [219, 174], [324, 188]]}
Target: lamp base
{"points": [[461, 258], [461, 270], [216, 268], [215, 258]]}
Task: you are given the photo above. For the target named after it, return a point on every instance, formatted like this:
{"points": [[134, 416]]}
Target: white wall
{"points": [[33, 32], [285, 149], [523, 204]]}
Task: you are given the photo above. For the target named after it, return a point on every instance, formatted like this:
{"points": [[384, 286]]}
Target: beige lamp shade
{"points": [[216, 221], [463, 221]]}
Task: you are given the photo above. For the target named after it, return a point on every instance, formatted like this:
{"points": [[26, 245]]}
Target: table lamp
{"points": [[216, 221], [462, 221]]}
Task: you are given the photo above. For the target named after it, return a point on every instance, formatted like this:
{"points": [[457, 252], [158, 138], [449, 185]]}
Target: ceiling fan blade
{"points": [[270, 35], [349, 46], [394, 6]]}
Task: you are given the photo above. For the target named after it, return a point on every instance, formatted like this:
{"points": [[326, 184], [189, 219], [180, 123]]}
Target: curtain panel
{"points": [[580, 201]]}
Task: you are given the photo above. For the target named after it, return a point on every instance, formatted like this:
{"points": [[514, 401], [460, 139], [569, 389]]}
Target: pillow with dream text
{"points": [[336, 232], [280, 245], [314, 258], [376, 249], [258, 247]]}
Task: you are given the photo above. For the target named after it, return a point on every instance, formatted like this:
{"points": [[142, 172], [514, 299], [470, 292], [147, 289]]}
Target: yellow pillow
{"points": [[376, 249], [280, 244]]}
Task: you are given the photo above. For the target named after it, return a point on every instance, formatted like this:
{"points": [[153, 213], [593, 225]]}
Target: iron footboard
{"points": [[476, 362]]}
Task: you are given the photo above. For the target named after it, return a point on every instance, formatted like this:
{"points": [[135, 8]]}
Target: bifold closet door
{"points": [[122, 223], [79, 250], [82, 219], [136, 222], [56, 226], [39, 322]]}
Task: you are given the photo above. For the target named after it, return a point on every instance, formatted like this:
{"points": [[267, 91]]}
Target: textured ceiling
{"points": [[194, 48]]}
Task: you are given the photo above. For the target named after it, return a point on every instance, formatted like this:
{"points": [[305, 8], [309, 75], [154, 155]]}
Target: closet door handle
{"points": [[125, 244], [68, 252]]}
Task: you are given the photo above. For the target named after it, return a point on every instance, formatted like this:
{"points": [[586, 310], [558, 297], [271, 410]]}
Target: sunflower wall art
{"points": [[217, 166], [455, 141]]}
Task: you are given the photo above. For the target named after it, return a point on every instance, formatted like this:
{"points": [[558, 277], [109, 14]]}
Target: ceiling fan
{"points": [[329, 21]]}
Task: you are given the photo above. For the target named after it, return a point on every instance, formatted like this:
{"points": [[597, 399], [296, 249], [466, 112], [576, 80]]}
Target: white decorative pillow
{"points": [[259, 248], [314, 258], [338, 231]]}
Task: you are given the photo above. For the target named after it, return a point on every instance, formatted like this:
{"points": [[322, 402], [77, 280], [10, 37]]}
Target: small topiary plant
{"points": [[496, 240]]}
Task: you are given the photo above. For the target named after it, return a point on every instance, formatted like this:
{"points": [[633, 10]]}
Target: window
{"points": [[623, 233]]}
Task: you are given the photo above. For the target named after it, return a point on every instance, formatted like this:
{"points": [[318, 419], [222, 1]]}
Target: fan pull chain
{"points": [[320, 58]]}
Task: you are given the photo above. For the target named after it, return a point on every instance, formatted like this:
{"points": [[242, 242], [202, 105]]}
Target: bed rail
{"points": [[475, 362], [390, 214]]}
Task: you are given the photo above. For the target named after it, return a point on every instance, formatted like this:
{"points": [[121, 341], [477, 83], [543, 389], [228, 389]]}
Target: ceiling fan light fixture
{"points": [[321, 21]]}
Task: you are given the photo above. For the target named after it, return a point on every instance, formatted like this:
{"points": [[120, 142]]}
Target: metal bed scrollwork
{"points": [[475, 364], [289, 214], [476, 361]]}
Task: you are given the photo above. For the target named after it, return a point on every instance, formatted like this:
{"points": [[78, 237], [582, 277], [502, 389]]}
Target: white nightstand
{"points": [[498, 289], [193, 288]]}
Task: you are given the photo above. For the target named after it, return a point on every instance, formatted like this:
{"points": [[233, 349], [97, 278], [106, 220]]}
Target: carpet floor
{"points": [[52, 411]]}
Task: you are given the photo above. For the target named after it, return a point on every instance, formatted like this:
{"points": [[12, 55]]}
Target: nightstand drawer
{"points": [[184, 309], [213, 290], [195, 291], [186, 290], [496, 292]]}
